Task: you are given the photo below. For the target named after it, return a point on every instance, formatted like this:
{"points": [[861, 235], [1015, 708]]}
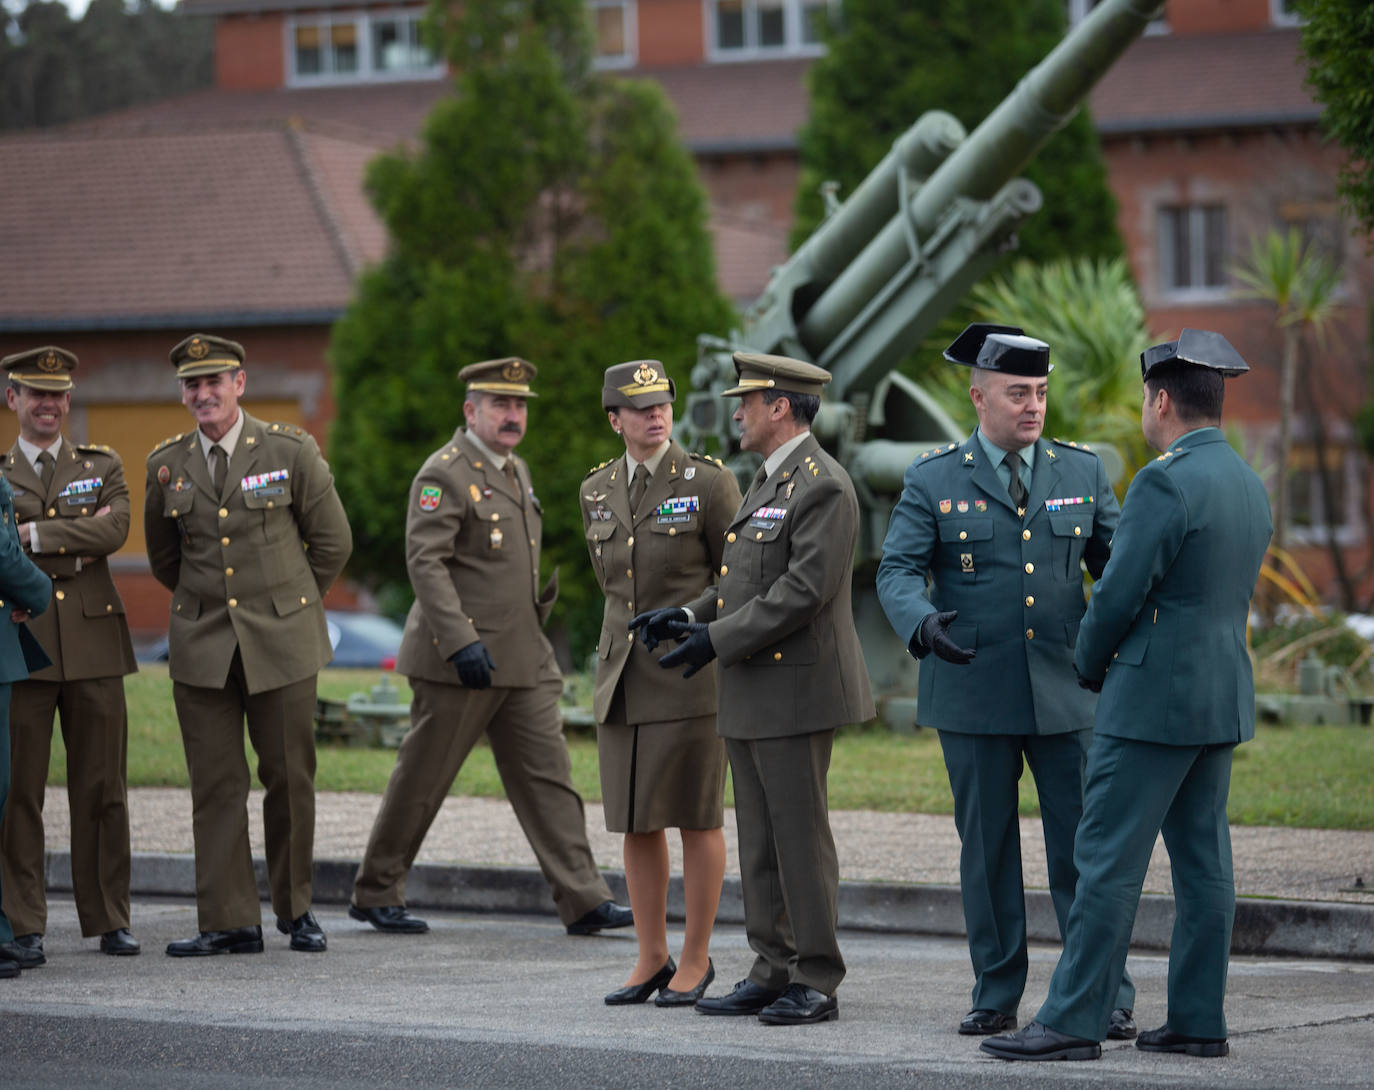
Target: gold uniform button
{"points": [[109, 608], [963, 535], [672, 531], [628, 541], [777, 656], [304, 599], [52, 511], [730, 536], [629, 637], [631, 605], [271, 503], [1030, 569], [724, 569], [1025, 535], [61, 551], [720, 603], [174, 512], [61, 595], [228, 571], [224, 512], [496, 516], [1077, 531], [233, 602], [1030, 600], [629, 573], [1114, 654], [758, 536], [532, 543], [224, 541], [1030, 633], [85, 510]]}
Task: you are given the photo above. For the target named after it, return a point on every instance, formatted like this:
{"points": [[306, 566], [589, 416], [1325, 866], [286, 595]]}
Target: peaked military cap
{"points": [[1198, 347], [205, 354], [758, 371], [1003, 348], [639, 384], [509, 375], [47, 368]]}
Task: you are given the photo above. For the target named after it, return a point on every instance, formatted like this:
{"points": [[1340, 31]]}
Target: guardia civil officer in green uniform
{"points": [[244, 527], [478, 663], [1164, 641], [655, 521], [25, 591], [983, 565], [72, 504], [791, 671]]}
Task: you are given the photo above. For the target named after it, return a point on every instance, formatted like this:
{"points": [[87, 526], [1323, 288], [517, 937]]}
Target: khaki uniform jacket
{"points": [[662, 558], [472, 553], [247, 569], [780, 618], [22, 584], [85, 632]]}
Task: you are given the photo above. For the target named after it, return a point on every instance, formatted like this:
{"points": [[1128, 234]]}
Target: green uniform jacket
{"points": [[85, 633], [24, 586], [472, 553], [781, 620], [1193, 530], [661, 559], [247, 569], [1017, 584]]}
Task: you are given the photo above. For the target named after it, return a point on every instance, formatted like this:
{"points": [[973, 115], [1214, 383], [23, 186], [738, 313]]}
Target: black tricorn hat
{"points": [[1001, 348], [1199, 347]]}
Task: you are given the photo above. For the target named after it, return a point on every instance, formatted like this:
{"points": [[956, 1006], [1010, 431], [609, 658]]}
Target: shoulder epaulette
{"points": [[938, 452], [290, 431], [93, 448], [167, 443], [1073, 444], [598, 469], [705, 458]]}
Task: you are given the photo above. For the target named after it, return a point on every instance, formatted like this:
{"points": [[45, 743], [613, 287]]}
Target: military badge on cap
{"points": [[639, 384], [509, 376], [205, 354], [48, 368]]}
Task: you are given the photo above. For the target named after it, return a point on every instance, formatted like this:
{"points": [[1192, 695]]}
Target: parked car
{"points": [[360, 640]]}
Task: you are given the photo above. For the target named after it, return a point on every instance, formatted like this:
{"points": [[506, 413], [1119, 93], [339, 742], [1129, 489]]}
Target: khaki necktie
{"points": [[1012, 460], [638, 484], [220, 469], [46, 467]]}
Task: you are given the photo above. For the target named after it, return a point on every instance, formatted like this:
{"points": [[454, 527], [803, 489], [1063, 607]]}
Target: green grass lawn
{"points": [[1307, 777]]}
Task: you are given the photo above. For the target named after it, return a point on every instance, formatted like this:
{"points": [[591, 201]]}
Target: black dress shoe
{"points": [[603, 917], [746, 997], [980, 1022], [1039, 1042], [800, 1005], [306, 933], [239, 940], [8, 968], [639, 993], [27, 950], [1166, 1040], [670, 998], [1122, 1026], [394, 918], [119, 942]]}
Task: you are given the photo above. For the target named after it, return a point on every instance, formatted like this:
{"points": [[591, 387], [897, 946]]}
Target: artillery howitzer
{"points": [[878, 274]]}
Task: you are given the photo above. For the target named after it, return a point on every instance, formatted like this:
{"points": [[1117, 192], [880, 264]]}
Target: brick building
{"points": [[239, 209]]}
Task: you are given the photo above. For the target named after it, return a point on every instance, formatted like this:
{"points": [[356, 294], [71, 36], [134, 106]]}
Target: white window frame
{"points": [[366, 72], [1078, 10], [1347, 532], [792, 46], [1197, 238], [629, 13], [1279, 17]]}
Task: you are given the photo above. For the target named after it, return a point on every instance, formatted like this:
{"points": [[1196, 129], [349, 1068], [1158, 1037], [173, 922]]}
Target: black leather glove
{"points": [[1084, 683], [660, 624], [696, 650], [474, 665], [935, 635]]}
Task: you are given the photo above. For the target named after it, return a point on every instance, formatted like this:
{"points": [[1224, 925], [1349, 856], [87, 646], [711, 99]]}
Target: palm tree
{"points": [[1301, 283]]}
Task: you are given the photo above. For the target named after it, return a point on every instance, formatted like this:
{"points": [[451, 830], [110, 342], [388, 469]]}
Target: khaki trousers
{"points": [[525, 731], [95, 730], [281, 727]]}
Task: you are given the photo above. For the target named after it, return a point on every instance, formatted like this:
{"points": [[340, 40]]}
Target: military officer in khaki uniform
{"points": [[791, 672], [72, 509], [244, 527], [655, 522], [478, 663]]}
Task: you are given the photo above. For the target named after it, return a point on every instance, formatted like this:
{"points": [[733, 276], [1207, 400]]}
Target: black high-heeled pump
{"points": [[670, 998], [639, 993]]}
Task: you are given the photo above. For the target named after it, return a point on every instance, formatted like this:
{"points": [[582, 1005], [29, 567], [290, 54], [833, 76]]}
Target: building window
{"points": [[738, 29], [613, 32], [1284, 13], [1319, 510], [1192, 249], [354, 47]]}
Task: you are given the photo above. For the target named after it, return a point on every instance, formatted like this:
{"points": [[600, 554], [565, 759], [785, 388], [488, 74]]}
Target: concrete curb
{"points": [[1263, 927]]}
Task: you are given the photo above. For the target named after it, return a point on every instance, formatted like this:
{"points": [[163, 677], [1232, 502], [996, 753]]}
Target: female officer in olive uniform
{"points": [[655, 523]]}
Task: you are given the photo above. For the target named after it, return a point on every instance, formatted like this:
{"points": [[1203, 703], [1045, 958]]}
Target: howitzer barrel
{"points": [[984, 163]]}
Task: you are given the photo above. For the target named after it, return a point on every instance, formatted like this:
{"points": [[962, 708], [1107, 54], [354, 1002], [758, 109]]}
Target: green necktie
{"points": [[47, 465], [1012, 460], [220, 470], [638, 483]]}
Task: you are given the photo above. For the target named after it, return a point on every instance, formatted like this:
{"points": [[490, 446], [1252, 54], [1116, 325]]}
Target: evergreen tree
{"points": [[548, 213], [892, 60]]}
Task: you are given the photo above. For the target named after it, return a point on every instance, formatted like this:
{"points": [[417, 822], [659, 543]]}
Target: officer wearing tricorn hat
{"points": [[72, 507], [244, 527], [1164, 641], [982, 578], [478, 663], [791, 672], [655, 522]]}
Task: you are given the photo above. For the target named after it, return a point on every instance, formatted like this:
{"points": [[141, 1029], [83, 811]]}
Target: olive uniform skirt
{"points": [[664, 775]]}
